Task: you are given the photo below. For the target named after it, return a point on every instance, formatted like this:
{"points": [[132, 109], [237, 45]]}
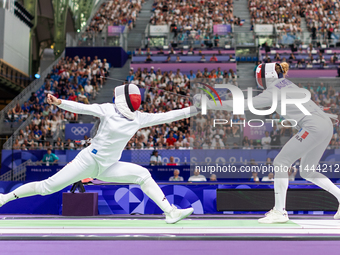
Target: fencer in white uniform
{"points": [[309, 143], [118, 123]]}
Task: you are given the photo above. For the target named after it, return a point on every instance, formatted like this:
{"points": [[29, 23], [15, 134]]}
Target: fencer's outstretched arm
{"points": [[89, 109], [151, 119]]}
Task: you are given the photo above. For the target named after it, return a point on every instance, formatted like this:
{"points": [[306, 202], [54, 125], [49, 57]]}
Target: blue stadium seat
{"points": [[248, 59], [243, 59]]}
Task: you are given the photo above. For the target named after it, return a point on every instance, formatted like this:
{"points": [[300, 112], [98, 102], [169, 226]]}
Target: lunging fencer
{"points": [[119, 121], [309, 144]]}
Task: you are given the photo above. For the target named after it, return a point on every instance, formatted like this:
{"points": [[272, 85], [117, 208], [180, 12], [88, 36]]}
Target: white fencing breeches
{"points": [[85, 166], [308, 144]]}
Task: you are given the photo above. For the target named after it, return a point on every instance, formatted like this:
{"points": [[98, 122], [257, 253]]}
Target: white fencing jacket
{"points": [[115, 130], [265, 99]]}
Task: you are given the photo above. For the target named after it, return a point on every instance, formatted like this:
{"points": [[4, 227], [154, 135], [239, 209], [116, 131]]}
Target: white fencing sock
{"points": [[280, 190], [25, 190], [153, 191]]}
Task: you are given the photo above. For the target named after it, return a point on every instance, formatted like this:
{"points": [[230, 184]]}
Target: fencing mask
{"points": [[127, 100]]}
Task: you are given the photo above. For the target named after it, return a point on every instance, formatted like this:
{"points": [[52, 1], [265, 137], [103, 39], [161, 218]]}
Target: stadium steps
{"points": [[241, 11], [304, 25], [135, 35], [106, 93]]}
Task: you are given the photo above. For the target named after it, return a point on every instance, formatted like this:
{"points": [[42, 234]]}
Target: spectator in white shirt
{"points": [[89, 89], [176, 177], [269, 178], [265, 141], [155, 159], [197, 177]]}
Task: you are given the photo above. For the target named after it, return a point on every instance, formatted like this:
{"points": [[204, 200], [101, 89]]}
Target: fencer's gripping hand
{"points": [[53, 100]]}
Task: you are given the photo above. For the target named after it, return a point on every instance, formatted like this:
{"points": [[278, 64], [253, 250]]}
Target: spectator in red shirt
{"points": [[61, 70], [213, 58], [172, 162], [72, 97], [171, 140]]}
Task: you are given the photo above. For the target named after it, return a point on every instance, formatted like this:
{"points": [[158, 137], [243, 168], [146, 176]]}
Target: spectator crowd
{"points": [[74, 79], [322, 16], [112, 13]]}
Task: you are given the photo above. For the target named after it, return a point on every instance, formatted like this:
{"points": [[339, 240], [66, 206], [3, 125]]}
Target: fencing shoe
{"points": [[274, 216], [176, 215]]}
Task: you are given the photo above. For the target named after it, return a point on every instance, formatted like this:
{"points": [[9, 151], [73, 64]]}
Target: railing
{"points": [[9, 143], [18, 173], [95, 39], [26, 93], [11, 74], [186, 39]]}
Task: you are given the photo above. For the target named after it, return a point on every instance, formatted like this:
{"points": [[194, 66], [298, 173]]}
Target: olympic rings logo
{"points": [[79, 130]]}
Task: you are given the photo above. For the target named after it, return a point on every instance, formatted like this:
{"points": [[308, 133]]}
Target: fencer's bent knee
{"points": [[144, 176]]}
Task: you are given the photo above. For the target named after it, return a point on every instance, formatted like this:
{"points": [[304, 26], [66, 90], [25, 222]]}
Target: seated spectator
{"points": [[69, 145], [178, 59], [17, 110], [161, 52], [191, 76], [334, 58], [299, 64], [213, 178], [148, 59], [203, 59], [148, 51], [269, 162], [207, 41], [176, 177], [32, 99], [216, 40], [168, 59], [277, 57], [254, 177], [82, 97], [49, 158], [197, 177], [191, 51], [309, 65], [267, 60], [172, 52], [232, 77], [89, 89], [155, 159], [291, 58], [130, 77], [172, 162], [171, 139], [231, 58], [182, 52], [16, 145], [269, 178], [213, 58], [292, 173]]}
